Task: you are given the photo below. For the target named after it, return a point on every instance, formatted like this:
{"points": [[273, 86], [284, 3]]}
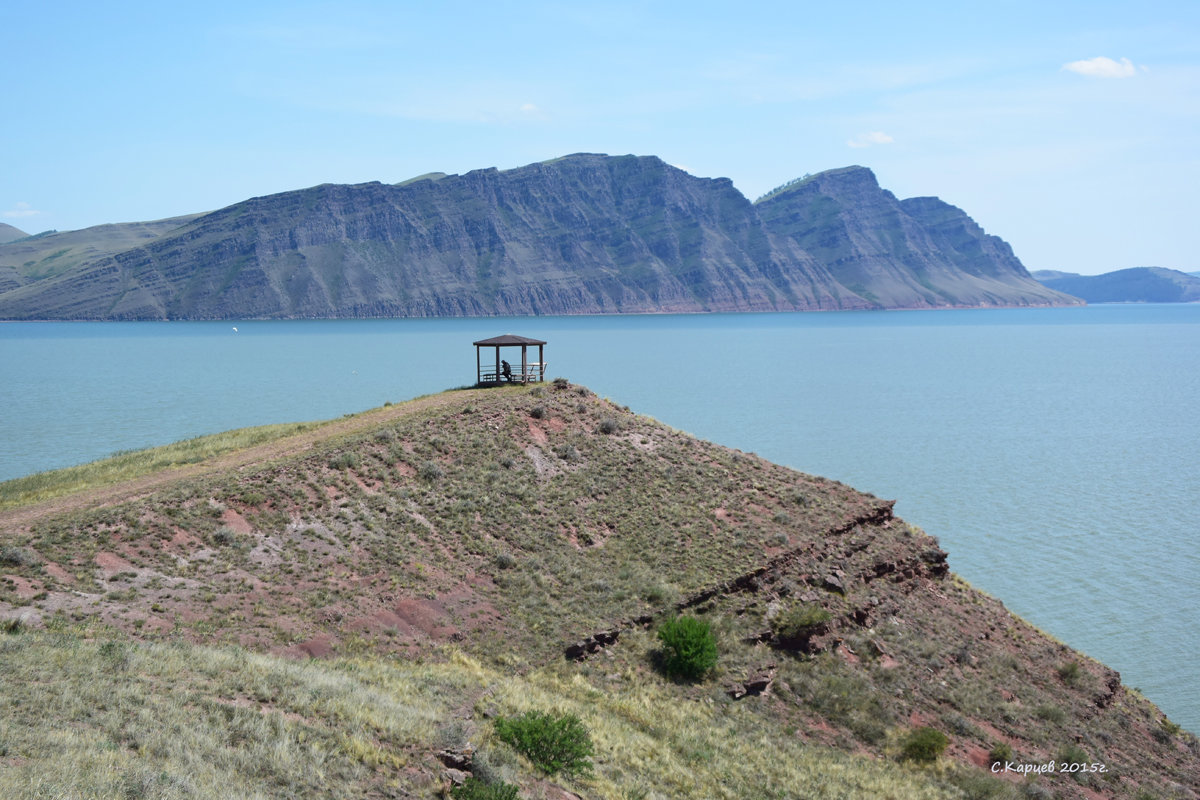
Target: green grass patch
{"points": [[112, 718]]}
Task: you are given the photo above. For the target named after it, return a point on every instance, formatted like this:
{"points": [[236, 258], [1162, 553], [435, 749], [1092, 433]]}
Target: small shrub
{"points": [[431, 471], [553, 743], [1069, 673], [494, 764], [1072, 754], [344, 460], [225, 537], [608, 425], [561, 383], [538, 412], [1050, 714], [923, 745], [475, 789], [18, 557], [568, 453], [505, 561], [689, 647], [1000, 753]]}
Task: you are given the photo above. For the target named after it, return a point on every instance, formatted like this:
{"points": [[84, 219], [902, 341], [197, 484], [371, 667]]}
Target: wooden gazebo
{"points": [[501, 371]]}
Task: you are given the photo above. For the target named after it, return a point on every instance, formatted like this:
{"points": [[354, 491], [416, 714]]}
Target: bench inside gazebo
{"points": [[498, 370]]}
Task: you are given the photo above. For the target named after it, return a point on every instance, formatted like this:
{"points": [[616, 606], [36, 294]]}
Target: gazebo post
{"points": [[524, 369], [478, 367], [541, 364]]}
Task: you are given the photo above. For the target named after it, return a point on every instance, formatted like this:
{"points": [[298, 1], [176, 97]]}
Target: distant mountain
{"points": [[1136, 285], [580, 234], [8, 233]]}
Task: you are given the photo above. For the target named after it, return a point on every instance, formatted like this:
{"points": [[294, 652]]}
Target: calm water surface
{"points": [[1054, 452]]}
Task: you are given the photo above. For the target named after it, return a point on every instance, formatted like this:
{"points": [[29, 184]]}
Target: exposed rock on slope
{"points": [[581, 234], [915, 253]]}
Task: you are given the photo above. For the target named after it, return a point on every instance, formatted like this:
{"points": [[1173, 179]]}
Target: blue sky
{"points": [[1070, 129]]}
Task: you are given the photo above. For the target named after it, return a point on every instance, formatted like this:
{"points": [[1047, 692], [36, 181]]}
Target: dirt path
{"points": [[15, 519]]}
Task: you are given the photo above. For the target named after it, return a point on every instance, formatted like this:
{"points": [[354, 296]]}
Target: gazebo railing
{"points": [[533, 373]]}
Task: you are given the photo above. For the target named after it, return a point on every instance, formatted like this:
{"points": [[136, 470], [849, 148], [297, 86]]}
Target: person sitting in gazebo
{"points": [[506, 371]]}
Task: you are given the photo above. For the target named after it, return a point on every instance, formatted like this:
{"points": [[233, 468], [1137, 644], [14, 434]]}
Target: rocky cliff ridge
{"points": [[581, 234]]}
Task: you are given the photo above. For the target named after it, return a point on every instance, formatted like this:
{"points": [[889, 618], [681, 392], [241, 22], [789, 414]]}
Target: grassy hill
{"points": [[48, 255], [1136, 285], [350, 608]]}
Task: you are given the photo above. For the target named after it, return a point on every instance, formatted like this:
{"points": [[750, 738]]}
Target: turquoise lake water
{"points": [[1054, 452]]}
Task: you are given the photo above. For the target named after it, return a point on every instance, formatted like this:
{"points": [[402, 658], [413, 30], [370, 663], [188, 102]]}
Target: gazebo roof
{"points": [[506, 339]]}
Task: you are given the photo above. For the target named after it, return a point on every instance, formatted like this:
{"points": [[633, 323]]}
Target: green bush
{"points": [[608, 425], [553, 743], [1000, 753], [689, 647], [475, 789], [923, 745]]}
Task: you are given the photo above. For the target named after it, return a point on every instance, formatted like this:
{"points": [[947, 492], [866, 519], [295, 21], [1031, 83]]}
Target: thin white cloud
{"points": [[869, 139], [20, 211], [1102, 67]]}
